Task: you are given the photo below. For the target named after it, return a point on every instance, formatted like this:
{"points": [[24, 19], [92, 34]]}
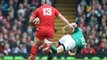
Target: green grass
{"points": [[1, 58]]}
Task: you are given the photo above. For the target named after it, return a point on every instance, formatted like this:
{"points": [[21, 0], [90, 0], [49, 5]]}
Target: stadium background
{"points": [[16, 35]]}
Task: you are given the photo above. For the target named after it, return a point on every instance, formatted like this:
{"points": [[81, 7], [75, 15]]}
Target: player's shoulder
{"points": [[78, 29], [51, 7], [54, 8], [39, 8]]}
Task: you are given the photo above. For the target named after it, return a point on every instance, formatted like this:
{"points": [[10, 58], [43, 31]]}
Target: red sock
{"points": [[33, 52]]}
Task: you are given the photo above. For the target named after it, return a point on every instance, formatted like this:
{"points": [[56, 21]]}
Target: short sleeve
{"points": [[35, 13], [56, 12]]}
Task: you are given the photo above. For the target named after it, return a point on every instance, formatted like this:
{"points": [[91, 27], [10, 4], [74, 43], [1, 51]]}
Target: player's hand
{"points": [[70, 26], [41, 46], [36, 21], [46, 48]]}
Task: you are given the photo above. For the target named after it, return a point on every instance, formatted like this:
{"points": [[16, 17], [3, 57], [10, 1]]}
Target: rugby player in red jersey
{"points": [[46, 13]]}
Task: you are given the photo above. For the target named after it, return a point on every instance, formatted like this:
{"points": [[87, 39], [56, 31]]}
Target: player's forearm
{"points": [[31, 20], [70, 53], [63, 19]]}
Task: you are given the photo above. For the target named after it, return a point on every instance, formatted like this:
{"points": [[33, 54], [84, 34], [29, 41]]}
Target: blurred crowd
{"points": [[16, 36], [92, 18]]}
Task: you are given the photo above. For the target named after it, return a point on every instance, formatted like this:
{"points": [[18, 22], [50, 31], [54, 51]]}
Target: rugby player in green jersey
{"points": [[69, 42]]}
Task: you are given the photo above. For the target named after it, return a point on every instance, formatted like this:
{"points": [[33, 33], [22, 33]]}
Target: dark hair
{"points": [[46, 2]]}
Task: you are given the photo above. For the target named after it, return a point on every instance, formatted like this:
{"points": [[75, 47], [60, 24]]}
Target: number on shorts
{"points": [[47, 11]]}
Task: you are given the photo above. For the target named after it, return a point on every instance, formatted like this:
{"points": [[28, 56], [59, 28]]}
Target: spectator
{"points": [[104, 2], [53, 2], [1, 46], [81, 7], [20, 49], [21, 11], [88, 50], [7, 49], [13, 27], [29, 30], [96, 23], [12, 42], [11, 12], [1, 36], [5, 37], [29, 44], [1, 16], [102, 47], [18, 39]]}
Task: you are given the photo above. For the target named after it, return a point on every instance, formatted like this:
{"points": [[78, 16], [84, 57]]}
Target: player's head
{"points": [[46, 2]]}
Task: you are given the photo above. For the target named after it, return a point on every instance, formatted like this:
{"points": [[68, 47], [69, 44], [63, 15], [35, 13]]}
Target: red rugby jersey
{"points": [[46, 14]]}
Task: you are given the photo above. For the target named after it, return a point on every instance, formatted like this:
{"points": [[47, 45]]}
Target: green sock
{"points": [[54, 49]]}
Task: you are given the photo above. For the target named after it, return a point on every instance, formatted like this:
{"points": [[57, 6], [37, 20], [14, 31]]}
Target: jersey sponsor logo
{"points": [[47, 11]]}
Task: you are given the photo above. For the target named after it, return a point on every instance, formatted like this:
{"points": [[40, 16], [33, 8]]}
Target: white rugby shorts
{"points": [[68, 42]]}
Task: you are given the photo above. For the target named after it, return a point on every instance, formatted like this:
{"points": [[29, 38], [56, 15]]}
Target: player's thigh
{"points": [[40, 35], [62, 39], [69, 43], [50, 34], [45, 33], [60, 49], [37, 41]]}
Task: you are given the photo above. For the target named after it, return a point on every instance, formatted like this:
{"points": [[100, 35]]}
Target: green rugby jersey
{"points": [[78, 37]]}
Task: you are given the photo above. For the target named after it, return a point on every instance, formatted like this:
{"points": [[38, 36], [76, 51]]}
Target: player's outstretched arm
{"points": [[66, 26], [73, 26], [71, 53], [63, 19]]}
